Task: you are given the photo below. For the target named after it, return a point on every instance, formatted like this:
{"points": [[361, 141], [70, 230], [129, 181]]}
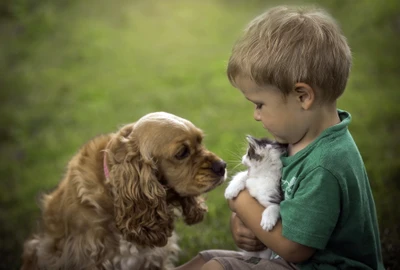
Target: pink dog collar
{"points": [[105, 167]]}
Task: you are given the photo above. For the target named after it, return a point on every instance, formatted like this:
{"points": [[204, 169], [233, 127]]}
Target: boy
{"points": [[293, 64]]}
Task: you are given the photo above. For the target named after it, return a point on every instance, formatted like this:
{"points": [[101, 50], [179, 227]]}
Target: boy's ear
{"points": [[304, 94]]}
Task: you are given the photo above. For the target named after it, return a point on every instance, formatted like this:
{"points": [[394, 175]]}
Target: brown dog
{"points": [[115, 207]]}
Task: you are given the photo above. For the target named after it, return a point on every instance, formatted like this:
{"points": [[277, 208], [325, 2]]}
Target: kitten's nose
{"points": [[219, 167]]}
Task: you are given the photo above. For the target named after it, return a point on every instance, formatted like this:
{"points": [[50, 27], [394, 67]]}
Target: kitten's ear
{"points": [[251, 140], [251, 150]]}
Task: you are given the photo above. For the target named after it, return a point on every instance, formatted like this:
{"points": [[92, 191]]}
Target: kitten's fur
{"points": [[262, 179]]}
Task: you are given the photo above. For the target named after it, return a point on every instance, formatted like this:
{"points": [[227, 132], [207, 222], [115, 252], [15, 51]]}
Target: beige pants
{"points": [[235, 260]]}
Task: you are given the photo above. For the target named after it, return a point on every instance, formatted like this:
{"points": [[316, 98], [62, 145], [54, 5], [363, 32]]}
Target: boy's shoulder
{"points": [[334, 150]]}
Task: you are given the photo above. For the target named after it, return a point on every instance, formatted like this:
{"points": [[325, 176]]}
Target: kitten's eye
{"points": [[183, 152]]}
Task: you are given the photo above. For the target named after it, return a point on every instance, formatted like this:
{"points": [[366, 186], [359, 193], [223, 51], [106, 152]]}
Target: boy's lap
{"points": [[232, 260]]}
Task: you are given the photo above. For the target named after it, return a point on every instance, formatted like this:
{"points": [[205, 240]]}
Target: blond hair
{"points": [[286, 45]]}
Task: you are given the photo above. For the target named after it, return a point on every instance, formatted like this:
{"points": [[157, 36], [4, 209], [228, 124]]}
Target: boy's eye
{"points": [[258, 106]]}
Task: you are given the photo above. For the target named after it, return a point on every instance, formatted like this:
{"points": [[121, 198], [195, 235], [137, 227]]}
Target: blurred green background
{"points": [[70, 70]]}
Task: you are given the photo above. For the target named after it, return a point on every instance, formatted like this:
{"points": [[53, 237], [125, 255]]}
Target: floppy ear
{"points": [[193, 209], [140, 208]]}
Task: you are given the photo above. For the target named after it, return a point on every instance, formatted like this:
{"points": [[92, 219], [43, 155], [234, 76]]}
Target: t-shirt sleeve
{"points": [[310, 215]]}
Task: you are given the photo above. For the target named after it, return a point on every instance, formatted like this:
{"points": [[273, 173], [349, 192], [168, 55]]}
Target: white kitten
{"points": [[262, 179]]}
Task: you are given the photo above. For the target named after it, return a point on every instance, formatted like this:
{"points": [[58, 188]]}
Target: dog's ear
{"points": [[140, 208], [121, 145], [193, 209]]}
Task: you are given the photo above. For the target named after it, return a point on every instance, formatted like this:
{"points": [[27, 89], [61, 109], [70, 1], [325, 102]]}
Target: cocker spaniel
{"points": [[116, 205]]}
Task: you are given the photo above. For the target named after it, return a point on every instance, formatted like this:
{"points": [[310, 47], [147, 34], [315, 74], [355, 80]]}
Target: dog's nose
{"points": [[219, 167]]}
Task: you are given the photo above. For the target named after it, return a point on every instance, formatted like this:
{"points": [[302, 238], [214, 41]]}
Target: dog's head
{"points": [[158, 152]]}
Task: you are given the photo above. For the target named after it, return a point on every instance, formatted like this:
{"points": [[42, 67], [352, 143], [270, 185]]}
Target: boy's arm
{"points": [[287, 249], [243, 237]]}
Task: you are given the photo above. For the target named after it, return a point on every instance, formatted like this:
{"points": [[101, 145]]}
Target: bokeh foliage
{"points": [[70, 70]]}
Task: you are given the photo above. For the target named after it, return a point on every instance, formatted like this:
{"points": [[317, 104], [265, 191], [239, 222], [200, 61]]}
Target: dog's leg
{"points": [[29, 257]]}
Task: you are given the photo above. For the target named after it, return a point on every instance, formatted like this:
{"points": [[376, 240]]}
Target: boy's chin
{"points": [[280, 140]]}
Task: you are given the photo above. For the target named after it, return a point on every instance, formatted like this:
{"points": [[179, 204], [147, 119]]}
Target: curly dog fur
{"points": [[116, 205]]}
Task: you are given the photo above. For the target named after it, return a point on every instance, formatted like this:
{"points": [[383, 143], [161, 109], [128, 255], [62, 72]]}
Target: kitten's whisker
{"points": [[235, 167], [234, 161], [236, 154]]}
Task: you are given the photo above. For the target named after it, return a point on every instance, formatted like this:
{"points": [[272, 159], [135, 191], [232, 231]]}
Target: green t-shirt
{"points": [[328, 203]]}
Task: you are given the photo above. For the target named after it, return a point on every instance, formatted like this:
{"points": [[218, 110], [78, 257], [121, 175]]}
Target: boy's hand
{"points": [[244, 238]]}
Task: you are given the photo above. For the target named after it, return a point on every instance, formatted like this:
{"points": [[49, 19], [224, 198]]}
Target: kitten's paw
{"points": [[267, 224], [269, 217], [231, 192], [237, 184]]}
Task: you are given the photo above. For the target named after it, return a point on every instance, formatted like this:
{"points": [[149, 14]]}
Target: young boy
{"points": [[293, 64]]}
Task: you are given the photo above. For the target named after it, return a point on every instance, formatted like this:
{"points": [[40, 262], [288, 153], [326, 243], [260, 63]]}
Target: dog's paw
{"points": [[269, 217]]}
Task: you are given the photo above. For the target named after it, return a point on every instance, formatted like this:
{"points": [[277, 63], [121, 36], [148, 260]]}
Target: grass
{"points": [[75, 69]]}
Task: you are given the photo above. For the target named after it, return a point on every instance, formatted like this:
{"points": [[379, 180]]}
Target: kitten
{"points": [[262, 179]]}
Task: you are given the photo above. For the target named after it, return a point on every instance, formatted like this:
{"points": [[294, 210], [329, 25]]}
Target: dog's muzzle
{"points": [[218, 167]]}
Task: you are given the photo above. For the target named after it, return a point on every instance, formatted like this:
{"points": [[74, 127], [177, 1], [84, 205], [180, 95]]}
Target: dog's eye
{"points": [[183, 152]]}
